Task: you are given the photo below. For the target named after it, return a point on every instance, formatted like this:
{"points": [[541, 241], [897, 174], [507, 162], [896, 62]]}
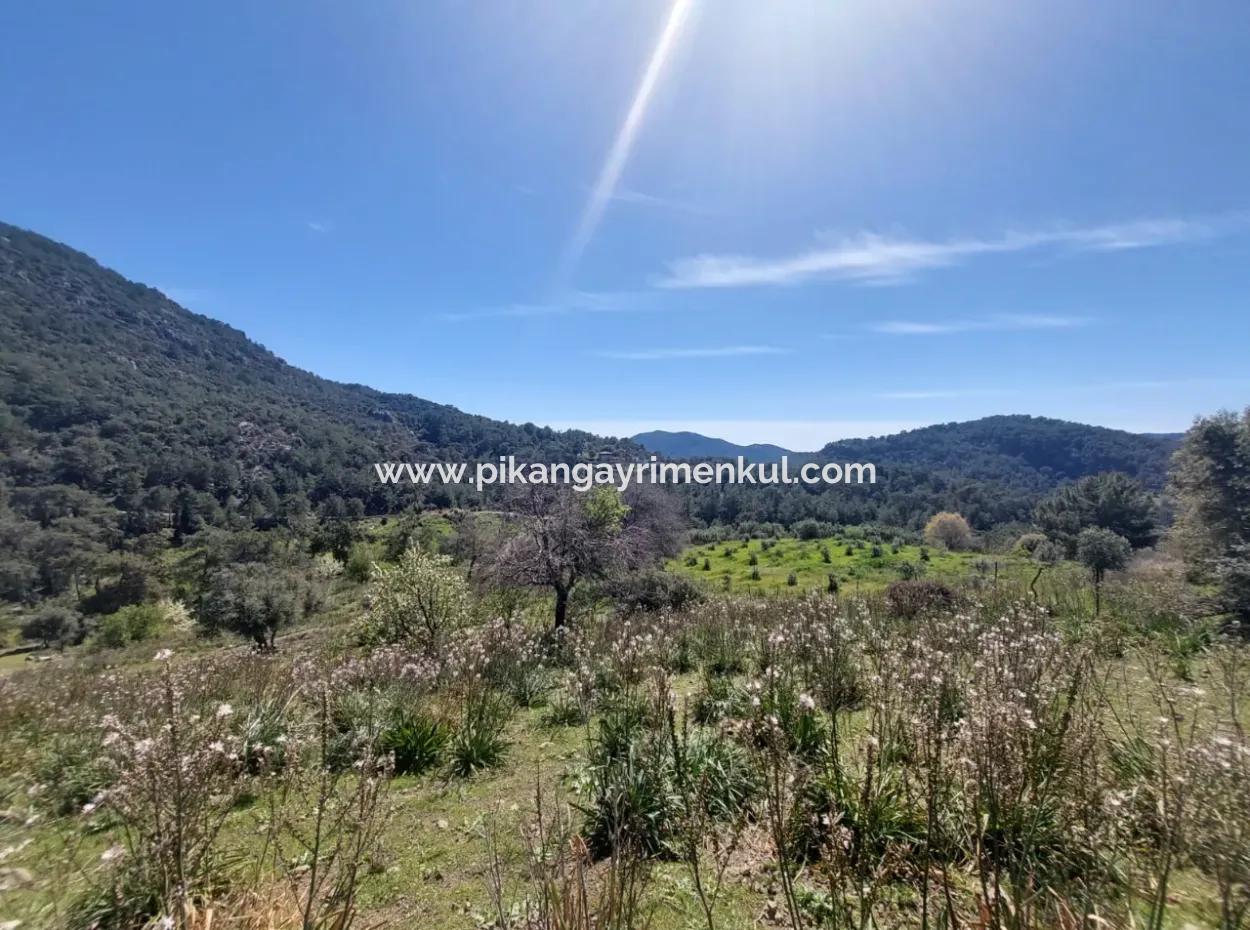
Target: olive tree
{"points": [[1101, 551]]}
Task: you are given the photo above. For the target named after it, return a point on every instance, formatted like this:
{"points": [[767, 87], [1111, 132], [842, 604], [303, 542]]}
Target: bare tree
{"points": [[559, 538]]}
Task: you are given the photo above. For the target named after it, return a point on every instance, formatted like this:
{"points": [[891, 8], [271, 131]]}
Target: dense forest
{"points": [[993, 470]]}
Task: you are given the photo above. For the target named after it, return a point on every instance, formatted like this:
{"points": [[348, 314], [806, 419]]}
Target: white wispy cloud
{"points": [[572, 302], [320, 226], [944, 393], [1078, 389], [868, 258], [641, 199], [1000, 323], [654, 355]]}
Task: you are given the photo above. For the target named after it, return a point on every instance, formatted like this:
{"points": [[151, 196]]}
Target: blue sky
{"points": [[784, 221]]}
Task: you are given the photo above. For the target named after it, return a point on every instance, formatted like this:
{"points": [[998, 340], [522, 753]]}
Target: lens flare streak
{"points": [[610, 174]]}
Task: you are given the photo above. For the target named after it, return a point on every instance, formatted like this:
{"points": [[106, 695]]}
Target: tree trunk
{"points": [[1033, 583], [562, 606]]}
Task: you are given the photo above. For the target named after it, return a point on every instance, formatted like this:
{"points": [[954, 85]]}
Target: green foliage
{"points": [[652, 590], [132, 624], [1211, 480], [1110, 501], [154, 424], [359, 564], [414, 738], [252, 600], [1101, 550], [72, 772], [420, 600], [478, 742], [53, 625]]}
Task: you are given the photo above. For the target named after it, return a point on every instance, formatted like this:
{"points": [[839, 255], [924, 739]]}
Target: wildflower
{"points": [[163, 655], [807, 702], [113, 853], [224, 710]]}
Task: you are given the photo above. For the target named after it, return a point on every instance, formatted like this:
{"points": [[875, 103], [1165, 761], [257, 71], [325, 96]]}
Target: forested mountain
{"points": [[688, 445], [124, 416], [128, 423], [992, 470], [1039, 448]]}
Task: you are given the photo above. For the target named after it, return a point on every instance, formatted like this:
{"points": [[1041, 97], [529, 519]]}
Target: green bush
{"points": [[132, 624], [479, 743], [415, 739], [72, 772], [359, 565]]}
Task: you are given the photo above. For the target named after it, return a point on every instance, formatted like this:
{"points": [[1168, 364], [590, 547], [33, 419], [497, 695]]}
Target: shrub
{"points": [[631, 802], [252, 600], [718, 699], [910, 599], [420, 600], [415, 739], [71, 772], [53, 625], [1029, 542], [263, 738], [479, 743], [132, 624], [872, 811], [724, 773], [653, 590], [565, 710], [949, 530], [359, 565]]}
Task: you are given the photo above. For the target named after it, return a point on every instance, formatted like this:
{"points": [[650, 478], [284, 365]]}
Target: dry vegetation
{"points": [[809, 761]]}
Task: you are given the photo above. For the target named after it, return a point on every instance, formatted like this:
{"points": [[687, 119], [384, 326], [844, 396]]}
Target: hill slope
{"points": [[1034, 450], [121, 412], [993, 470], [688, 445]]}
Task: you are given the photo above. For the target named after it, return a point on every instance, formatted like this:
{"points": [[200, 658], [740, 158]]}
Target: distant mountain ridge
{"points": [[688, 445], [1051, 451]]}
